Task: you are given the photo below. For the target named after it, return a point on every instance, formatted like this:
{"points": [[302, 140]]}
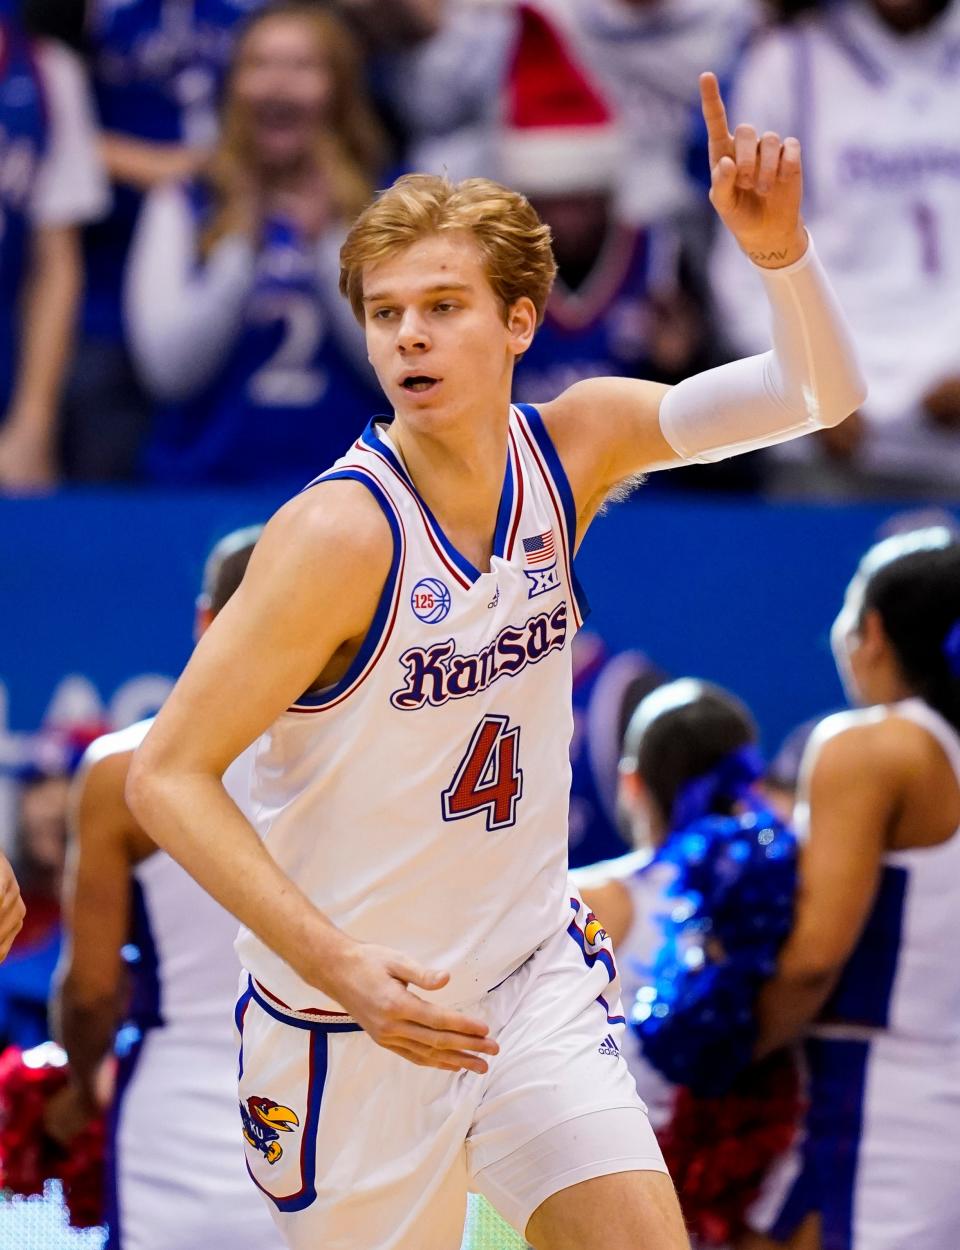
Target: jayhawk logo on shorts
{"points": [[593, 932], [263, 1122]]}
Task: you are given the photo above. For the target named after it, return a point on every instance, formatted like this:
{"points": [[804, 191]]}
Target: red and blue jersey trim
{"points": [[239, 1015], [606, 1007], [459, 568], [511, 502], [384, 620], [462, 570], [319, 1020], [319, 1052], [544, 452], [590, 958]]}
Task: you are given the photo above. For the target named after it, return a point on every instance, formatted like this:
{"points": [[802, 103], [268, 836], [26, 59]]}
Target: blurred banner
{"points": [[97, 593]]}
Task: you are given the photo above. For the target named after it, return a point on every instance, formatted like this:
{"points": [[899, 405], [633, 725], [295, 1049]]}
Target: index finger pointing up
{"points": [[715, 115]]}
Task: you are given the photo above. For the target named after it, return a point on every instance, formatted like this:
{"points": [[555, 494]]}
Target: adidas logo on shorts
{"points": [[608, 1047]]}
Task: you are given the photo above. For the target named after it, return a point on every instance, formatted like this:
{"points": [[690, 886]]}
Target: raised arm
{"points": [[28, 451], [311, 589], [609, 429], [142, 164], [183, 317]]}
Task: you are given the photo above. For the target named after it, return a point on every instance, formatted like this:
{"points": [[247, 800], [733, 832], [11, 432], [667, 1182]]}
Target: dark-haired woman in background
{"points": [[872, 958], [235, 320], [697, 915]]}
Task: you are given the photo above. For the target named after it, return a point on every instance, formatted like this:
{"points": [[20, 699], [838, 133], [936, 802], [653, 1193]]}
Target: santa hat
{"points": [[559, 133]]}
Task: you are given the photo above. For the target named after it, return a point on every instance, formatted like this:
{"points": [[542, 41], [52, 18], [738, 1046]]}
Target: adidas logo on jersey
{"points": [[608, 1047]]}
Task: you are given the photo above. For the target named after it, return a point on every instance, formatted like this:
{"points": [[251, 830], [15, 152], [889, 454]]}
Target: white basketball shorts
{"points": [[355, 1148]]}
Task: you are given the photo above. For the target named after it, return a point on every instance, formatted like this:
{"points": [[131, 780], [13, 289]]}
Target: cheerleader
{"points": [[869, 973], [148, 971], [697, 914]]}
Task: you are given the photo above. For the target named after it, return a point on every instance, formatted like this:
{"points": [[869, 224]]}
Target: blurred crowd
{"points": [[176, 177]]}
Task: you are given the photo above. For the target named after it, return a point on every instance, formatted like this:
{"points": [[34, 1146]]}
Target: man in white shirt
{"points": [[872, 90]]}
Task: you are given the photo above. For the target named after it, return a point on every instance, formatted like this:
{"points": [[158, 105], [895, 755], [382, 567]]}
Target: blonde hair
{"points": [[349, 145], [514, 242]]}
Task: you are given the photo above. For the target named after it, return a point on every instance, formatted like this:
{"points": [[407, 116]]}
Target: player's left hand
{"points": [[12, 910], [756, 184]]}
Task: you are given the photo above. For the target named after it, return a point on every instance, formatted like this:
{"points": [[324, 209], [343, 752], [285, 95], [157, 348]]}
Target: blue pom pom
{"points": [[732, 897]]}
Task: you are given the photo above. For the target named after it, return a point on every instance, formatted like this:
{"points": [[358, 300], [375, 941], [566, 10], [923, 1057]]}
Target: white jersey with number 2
{"points": [[421, 802]]}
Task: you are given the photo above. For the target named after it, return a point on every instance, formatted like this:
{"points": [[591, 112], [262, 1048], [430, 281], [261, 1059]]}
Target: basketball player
{"points": [[400, 653], [870, 971], [176, 1173]]}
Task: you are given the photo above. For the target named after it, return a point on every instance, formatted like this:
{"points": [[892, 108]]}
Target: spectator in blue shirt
{"points": [[235, 319]]}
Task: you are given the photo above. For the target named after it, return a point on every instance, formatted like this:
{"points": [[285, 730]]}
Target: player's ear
{"points": [[521, 324], [873, 636]]}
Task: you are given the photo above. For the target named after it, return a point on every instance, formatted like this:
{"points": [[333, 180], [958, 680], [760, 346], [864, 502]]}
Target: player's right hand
{"points": [[373, 988], [12, 910]]}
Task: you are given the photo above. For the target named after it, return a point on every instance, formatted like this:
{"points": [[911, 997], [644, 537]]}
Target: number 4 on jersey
{"points": [[488, 778]]}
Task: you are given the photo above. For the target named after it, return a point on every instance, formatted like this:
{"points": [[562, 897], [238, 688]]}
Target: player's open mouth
{"points": [[419, 383]]}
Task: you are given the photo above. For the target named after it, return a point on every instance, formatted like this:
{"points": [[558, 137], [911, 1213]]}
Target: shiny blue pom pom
{"points": [[731, 908]]}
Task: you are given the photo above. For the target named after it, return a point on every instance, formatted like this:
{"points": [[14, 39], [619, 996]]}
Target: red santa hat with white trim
{"points": [[559, 133]]}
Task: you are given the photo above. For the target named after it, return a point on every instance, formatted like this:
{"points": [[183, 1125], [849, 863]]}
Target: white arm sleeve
{"points": [[182, 318], [810, 380]]}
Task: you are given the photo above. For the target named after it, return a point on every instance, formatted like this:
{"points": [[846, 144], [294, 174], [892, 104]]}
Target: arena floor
{"points": [[41, 1224]]}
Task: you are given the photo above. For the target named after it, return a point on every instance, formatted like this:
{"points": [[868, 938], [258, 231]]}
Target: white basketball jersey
{"points": [[422, 801]]}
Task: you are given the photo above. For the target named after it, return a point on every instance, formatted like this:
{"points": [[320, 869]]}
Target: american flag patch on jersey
{"points": [[540, 548]]}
